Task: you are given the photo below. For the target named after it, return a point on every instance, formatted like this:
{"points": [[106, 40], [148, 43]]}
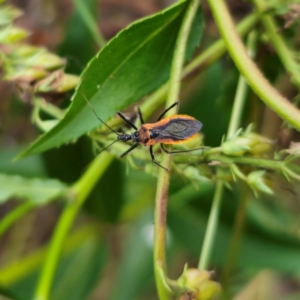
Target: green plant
{"points": [[155, 56]]}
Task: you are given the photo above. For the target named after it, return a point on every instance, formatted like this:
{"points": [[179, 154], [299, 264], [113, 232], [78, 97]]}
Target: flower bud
{"points": [[195, 174], [48, 61], [257, 182], [68, 82], [25, 50], [193, 278], [208, 290], [25, 75], [12, 34], [196, 283], [237, 146], [248, 142]]}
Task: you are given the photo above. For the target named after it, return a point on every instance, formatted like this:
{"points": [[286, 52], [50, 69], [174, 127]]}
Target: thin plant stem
{"points": [[239, 102], [164, 176], [15, 215], [211, 227], [78, 194], [218, 48], [89, 21], [269, 164], [241, 92], [285, 54], [246, 66]]}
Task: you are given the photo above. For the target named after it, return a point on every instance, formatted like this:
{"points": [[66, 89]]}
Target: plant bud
{"points": [[8, 14], [68, 82], [12, 34], [249, 142], [208, 290], [196, 283], [25, 50], [25, 75], [48, 61], [193, 278], [257, 182], [194, 174]]}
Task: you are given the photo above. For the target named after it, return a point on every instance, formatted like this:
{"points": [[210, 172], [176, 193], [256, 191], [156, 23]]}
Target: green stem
{"points": [[15, 215], [283, 51], [211, 227], [241, 92], [80, 190], [218, 48], [256, 162], [255, 79], [253, 161], [89, 21], [239, 102], [179, 54], [164, 176]]}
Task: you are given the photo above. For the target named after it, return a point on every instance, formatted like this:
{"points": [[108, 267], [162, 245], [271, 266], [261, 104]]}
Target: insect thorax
{"points": [[135, 137]]}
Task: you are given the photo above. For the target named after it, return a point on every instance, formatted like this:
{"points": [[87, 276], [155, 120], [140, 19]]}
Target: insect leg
{"points": [[180, 151], [140, 115], [130, 149], [166, 110], [154, 161], [126, 120]]}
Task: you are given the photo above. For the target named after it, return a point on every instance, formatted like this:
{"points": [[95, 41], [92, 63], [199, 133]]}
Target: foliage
{"points": [[246, 175]]}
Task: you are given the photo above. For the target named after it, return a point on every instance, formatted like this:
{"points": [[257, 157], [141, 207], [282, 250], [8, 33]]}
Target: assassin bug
{"points": [[171, 130]]}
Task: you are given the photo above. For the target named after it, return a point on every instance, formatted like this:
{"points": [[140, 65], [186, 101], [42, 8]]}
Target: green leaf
{"points": [[133, 64], [36, 190]]}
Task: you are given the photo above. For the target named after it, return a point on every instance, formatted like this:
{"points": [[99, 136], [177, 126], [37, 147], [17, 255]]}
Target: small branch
{"points": [[255, 162], [254, 77]]}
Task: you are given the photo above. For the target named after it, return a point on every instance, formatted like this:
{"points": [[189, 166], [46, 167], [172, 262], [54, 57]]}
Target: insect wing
{"points": [[177, 129]]}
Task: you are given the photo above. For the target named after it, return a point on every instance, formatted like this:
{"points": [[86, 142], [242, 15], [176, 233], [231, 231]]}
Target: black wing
{"points": [[177, 129]]}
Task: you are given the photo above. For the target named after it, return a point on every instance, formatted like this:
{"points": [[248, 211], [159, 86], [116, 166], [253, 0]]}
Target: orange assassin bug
{"points": [[171, 130]]}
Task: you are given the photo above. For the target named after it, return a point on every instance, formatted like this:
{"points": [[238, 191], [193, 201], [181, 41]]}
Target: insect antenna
{"points": [[107, 146], [90, 105]]}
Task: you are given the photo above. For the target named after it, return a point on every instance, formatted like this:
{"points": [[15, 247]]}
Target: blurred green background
{"points": [[108, 254]]}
